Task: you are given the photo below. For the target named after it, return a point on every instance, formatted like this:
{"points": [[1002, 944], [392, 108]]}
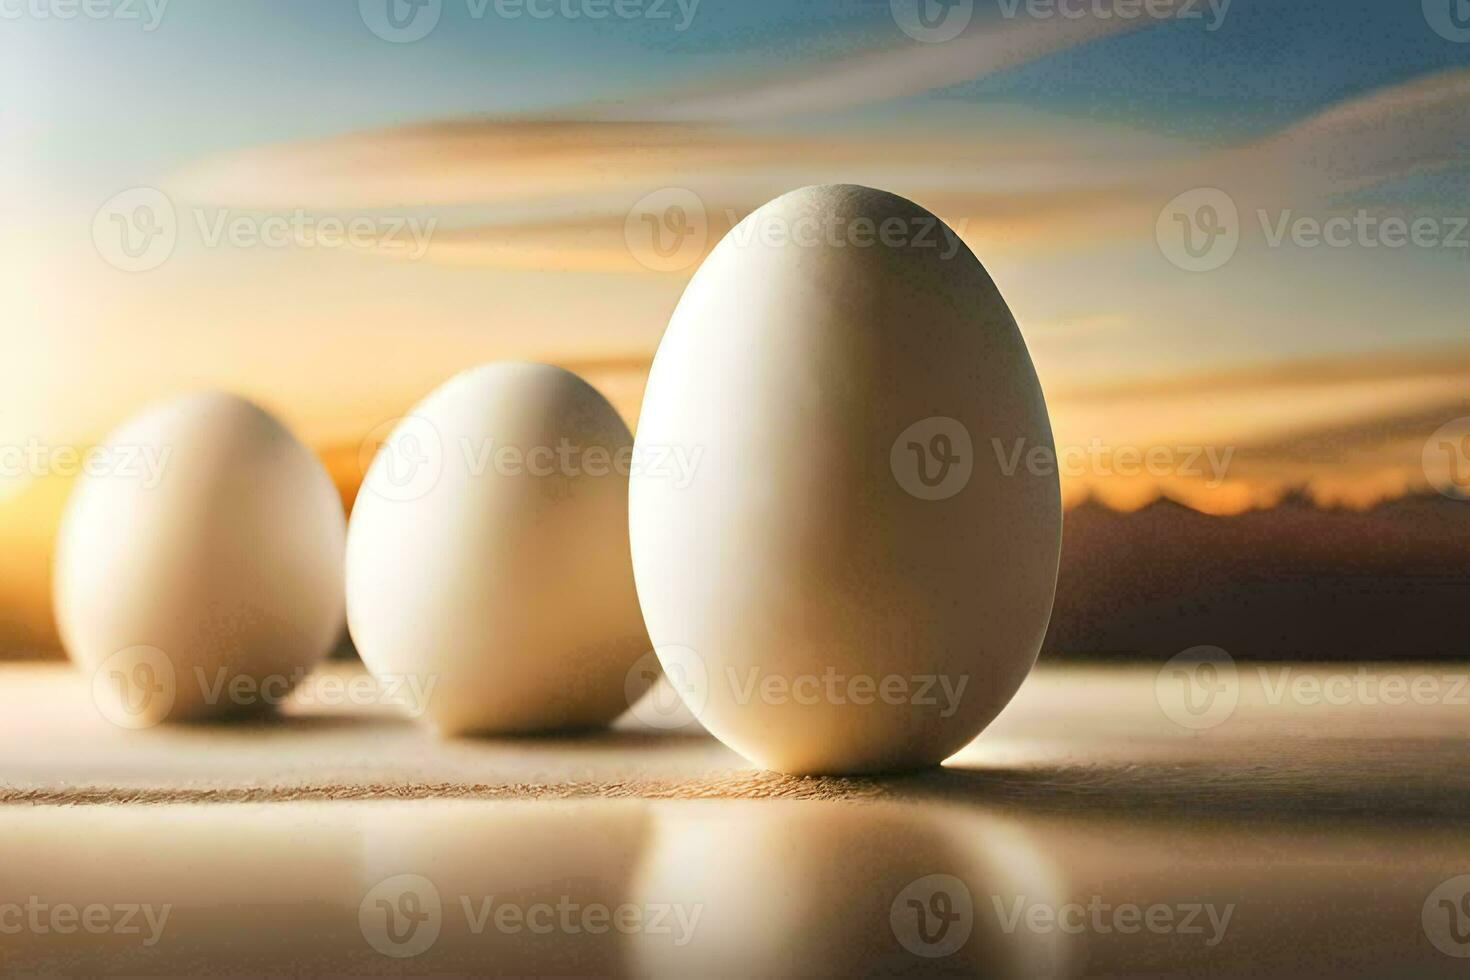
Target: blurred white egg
{"points": [[198, 567], [487, 554], [860, 572]]}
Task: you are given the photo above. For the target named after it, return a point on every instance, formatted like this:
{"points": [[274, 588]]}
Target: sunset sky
{"points": [[1054, 145]]}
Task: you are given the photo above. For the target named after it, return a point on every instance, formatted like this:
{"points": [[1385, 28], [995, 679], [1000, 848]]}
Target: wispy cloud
{"points": [[552, 193], [582, 152], [1416, 126], [1350, 428], [877, 75], [1364, 437], [1420, 364]]}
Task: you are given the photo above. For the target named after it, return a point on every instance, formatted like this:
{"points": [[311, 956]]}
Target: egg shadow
{"points": [[277, 724], [1348, 780], [584, 737]]}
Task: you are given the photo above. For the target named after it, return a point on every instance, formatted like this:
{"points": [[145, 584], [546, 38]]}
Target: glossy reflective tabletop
{"points": [[1100, 828]]}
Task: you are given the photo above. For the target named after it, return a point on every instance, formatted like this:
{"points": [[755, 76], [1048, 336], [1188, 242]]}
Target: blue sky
{"points": [[213, 75], [1055, 165], [105, 103]]}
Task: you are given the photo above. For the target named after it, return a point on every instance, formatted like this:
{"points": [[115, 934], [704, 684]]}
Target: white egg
{"points": [[860, 572], [198, 568], [487, 555]]}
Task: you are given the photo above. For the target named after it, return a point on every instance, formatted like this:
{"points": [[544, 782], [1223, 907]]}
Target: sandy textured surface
{"points": [[1074, 737]]}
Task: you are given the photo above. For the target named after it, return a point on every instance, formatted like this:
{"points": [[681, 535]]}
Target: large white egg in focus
{"points": [[198, 568], [857, 578], [487, 555]]}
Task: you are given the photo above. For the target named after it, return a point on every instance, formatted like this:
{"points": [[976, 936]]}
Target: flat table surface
{"points": [[1086, 833]]}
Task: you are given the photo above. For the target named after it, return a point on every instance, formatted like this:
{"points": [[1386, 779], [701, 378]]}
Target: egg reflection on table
{"points": [[855, 579], [198, 567], [505, 887], [827, 888]]}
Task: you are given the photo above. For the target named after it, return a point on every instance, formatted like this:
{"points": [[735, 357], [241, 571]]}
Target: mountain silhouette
{"points": [[1295, 580]]}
